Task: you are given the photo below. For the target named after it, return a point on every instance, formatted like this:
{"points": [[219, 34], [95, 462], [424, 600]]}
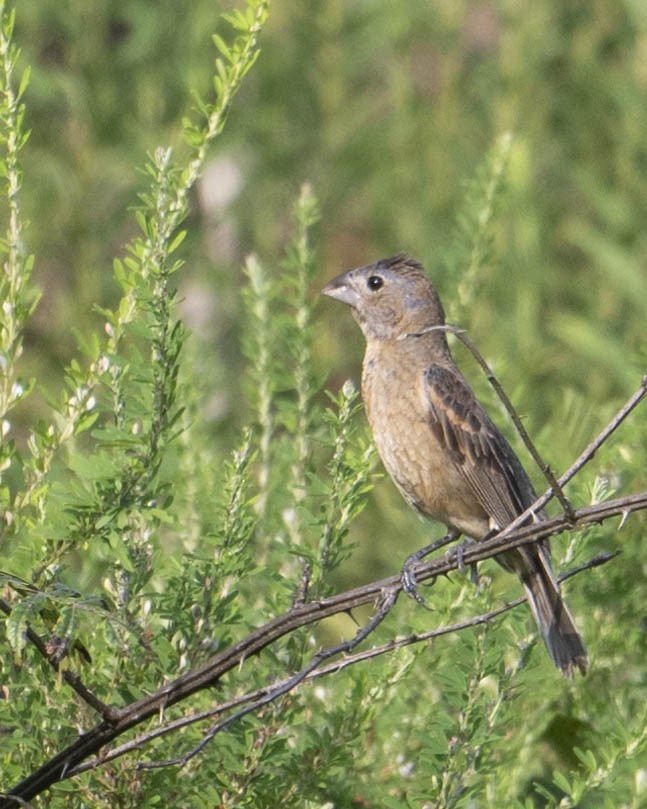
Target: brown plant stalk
{"points": [[115, 721]]}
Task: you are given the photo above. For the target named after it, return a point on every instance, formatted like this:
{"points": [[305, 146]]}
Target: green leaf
{"points": [[97, 466], [177, 241], [562, 782], [22, 614], [116, 542], [24, 81], [222, 46], [586, 757]]}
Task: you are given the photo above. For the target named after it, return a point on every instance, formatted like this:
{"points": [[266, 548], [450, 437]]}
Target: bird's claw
{"points": [[408, 578], [458, 553], [409, 581], [408, 574]]}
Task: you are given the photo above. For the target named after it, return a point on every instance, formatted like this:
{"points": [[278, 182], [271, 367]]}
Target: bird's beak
{"points": [[342, 290]]}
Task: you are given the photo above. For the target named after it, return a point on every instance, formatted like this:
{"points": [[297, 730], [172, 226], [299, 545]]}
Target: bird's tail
{"points": [[551, 613]]}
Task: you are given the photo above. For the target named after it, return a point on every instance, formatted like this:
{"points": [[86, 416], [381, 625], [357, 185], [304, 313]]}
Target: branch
{"points": [[63, 765], [585, 457], [277, 688], [556, 486], [387, 600], [523, 433], [68, 676], [119, 720]]}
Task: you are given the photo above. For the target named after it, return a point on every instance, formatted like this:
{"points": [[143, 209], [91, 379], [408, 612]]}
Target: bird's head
{"points": [[390, 299]]}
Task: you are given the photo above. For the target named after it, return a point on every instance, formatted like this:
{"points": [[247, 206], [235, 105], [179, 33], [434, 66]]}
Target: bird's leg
{"points": [[408, 575]]}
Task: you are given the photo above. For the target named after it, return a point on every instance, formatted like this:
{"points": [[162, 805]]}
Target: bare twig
{"points": [[584, 458], [331, 668], [475, 620], [521, 430], [68, 676], [61, 766], [386, 602], [117, 721]]}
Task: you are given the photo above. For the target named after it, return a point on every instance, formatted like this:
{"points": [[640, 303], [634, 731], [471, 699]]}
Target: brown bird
{"points": [[443, 452]]}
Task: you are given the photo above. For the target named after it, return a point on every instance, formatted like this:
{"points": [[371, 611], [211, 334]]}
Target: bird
{"points": [[443, 452]]}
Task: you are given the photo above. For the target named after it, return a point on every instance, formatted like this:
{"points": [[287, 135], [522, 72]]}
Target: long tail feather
{"points": [[555, 622]]}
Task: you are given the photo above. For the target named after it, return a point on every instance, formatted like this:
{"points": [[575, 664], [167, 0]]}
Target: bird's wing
{"points": [[477, 448]]}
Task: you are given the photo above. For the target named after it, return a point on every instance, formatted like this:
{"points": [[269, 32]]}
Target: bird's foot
{"points": [[408, 574], [458, 553]]}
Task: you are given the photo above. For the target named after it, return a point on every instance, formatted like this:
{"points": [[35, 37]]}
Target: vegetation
{"points": [[182, 459]]}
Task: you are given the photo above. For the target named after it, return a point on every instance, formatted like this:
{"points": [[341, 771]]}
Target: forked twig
{"points": [[278, 688], [521, 430], [584, 457], [386, 602], [556, 484], [70, 677], [118, 720]]}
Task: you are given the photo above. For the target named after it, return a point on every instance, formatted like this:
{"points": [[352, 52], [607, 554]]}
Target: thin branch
{"points": [[386, 602], [332, 668], [60, 766], [521, 430], [69, 677], [431, 634], [584, 458], [611, 427]]}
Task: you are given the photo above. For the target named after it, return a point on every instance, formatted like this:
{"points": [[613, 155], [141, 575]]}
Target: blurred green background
{"points": [[388, 109]]}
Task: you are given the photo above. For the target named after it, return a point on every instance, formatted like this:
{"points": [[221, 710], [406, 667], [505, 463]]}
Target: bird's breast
{"points": [[398, 413]]}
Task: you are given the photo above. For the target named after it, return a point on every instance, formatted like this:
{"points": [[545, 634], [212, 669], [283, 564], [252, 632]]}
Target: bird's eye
{"points": [[374, 282]]}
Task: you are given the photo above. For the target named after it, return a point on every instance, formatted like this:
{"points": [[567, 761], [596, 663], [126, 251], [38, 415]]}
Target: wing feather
{"points": [[476, 446]]}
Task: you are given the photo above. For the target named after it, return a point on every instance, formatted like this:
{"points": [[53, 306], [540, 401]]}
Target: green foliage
{"points": [[169, 481]]}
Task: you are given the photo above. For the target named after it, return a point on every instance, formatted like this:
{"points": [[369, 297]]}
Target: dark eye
{"points": [[374, 282]]}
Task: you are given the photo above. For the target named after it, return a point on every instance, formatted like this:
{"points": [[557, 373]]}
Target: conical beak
{"points": [[341, 289]]}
